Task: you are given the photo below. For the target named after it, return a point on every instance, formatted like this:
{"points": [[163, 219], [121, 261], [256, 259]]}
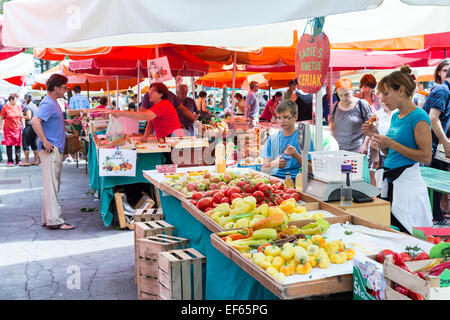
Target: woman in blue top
{"points": [[406, 144]]}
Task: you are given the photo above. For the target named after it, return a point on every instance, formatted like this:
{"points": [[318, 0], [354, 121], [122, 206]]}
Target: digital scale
{"points": [[328, 190]]}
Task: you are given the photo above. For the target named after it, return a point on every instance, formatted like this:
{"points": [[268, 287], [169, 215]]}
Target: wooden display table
{"points": [[377, 211]]}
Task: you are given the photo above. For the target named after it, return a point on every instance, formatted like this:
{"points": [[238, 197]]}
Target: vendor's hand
{"points": [[363, 149], [447, 149], [279, 163], [369, 129], [381, 141], [291, 151], [47, 146]]}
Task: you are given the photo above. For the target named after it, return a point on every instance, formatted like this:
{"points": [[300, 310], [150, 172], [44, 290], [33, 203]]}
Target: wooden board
{"points": [[124, 222]]}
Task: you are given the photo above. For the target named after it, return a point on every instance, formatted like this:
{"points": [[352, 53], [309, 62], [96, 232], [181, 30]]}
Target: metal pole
{"points": [[331, 87], [234, 85], [193, 90], [214, 95], [107, 89], [117, 92], [87, 87], [138, 85], [319, 120]]}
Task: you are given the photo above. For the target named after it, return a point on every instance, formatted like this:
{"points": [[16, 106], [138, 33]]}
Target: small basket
{"points": [[256, 167], [72, 141], [326, 165]]}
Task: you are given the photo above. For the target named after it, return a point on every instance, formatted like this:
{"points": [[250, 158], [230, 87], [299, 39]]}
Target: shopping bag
{"points": [[114, 131]]}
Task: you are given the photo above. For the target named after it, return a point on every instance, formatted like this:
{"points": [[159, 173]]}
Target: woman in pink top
{"points": [[271, 106], [103, 103], [11, 122]]}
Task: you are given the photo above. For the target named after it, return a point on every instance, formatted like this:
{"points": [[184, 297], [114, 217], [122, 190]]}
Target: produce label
{"points": [[158, 70], [117, 163], [445, 278], [312, 58], [368, 281]]}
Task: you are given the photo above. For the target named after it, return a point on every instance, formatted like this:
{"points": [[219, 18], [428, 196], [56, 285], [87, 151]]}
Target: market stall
{"points": [[233, 272]]}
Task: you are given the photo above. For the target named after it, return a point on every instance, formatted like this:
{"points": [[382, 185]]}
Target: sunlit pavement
{"points": [[90, 262]]}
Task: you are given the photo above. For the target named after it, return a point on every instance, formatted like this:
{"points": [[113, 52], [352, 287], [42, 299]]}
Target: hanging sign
{"points": [[158, 70], [117, 162], [312, 59]]}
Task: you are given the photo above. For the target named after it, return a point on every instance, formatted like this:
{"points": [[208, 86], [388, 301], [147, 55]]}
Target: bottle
{"points": [[299, 180], [346, 185], [220, 157], [288, 182], [235, 153], [230, 149]]}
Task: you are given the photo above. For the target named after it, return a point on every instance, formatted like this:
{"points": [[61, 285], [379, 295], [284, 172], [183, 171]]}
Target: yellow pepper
{"points": [[301, 255], [280, 277], [304, 243], [264, 210], [313, 250], [259, 258], [324, 261], [313, 260], [277, 262], [350, 253], [288, 270], [318, 240], [299, 209], [265, 264], [288, 245], [287, 206], [332, 247], [248, 255], [272, 251], [288, 253], [272, 271], [341, 245], [269, 258], [304, 268], [339, 258]]}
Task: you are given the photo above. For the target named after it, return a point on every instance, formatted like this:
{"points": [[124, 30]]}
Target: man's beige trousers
{"points": [[51, 179]]}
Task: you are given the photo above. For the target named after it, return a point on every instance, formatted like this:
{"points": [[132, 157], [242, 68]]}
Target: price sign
{"points": [[312, 59]]}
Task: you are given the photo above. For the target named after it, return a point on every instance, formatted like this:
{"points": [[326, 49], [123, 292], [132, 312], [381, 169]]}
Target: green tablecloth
{"points": [[224, 280], [105, 185], [435, 179]]}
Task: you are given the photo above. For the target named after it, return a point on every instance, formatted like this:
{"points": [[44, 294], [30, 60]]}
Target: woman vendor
{"points": [[162, 116], [406, 144]]}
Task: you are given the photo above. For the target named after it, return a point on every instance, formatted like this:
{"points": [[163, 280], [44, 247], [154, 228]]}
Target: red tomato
{"points": [[225, 200], [232, 190], [241, 184], [218, 197], [264, 188], [259, 196], [296, 196], [290, 190], [405, 257], [257, 185], [430, 239], [383, 253], [279, 201], [194, 202], [422, 256], [197, 195], [437, 240], [448, 240], [248, 188], [205, 203], [234, 196], [286, 196]]}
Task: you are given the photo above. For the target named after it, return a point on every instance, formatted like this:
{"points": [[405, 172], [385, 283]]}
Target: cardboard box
{"points": [[369, 282]]}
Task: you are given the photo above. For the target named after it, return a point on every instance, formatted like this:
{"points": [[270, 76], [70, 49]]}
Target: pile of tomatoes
{"points": [[272, 195]]}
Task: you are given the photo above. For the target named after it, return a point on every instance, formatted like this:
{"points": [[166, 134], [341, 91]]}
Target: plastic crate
{"points": [[326, 165], [256, 167], [166, 168]]}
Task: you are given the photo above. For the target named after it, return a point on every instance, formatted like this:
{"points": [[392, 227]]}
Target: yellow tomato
{"points": [[277, 262], [304, 268]]}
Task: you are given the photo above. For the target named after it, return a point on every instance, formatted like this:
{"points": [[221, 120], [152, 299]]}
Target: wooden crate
{"points": [[151, 214], [174, 274], [429, 289], [151, 228], [148, 229], [146, 262]]}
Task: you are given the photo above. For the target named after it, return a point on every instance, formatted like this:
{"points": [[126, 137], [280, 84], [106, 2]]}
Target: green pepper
{"points": [[239, 216]]}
